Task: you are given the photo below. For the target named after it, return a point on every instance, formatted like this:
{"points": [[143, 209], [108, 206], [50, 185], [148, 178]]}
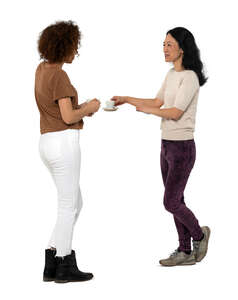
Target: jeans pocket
{"points": [[53, 149]]}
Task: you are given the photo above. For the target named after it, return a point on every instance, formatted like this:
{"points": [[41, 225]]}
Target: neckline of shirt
{"points": [[179, 71]]}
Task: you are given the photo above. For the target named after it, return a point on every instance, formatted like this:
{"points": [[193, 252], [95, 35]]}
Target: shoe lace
{"points": [[196, 244], [174, 253]]}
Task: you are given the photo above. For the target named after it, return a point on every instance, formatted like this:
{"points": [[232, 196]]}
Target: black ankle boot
{"points": [[67, 270], [50, 265]]}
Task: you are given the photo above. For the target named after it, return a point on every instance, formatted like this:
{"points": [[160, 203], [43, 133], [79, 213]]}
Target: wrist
{"points": [[127, 99], [84, 111]]}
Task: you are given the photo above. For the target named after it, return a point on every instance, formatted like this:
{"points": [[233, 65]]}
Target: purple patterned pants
{"points": [[177, 159]]}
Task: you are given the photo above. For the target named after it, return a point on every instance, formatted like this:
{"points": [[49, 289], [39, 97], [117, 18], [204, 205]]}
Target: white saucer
{"points": [[110, 109]]}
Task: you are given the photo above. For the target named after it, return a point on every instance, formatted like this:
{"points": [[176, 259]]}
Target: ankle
{"points": [[200, 238]]}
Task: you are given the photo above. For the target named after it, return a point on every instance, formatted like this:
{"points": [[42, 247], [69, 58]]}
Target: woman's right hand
{"points": [[92, 107], [119, 100]]}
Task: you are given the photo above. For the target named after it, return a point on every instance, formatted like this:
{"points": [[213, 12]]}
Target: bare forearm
{"points": [[166, 113], [136, 101], [77, 115], [81, 105]]}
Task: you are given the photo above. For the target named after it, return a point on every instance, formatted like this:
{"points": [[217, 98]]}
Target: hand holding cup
{"points": [[119, 100], [92, 106]]}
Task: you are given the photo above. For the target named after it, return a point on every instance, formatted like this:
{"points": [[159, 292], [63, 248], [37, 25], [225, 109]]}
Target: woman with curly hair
{"points": [[179, 95], [61, 119]]}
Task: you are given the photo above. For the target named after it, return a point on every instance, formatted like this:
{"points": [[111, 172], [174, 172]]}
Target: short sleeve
{"points": [[161, 91], [186, 91], [62, 87]]}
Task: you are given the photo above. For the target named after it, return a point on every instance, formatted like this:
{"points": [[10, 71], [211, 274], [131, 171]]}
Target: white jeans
{"points": [[60, 152]]}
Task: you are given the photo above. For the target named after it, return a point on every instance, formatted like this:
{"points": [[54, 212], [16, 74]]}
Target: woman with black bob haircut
{"points": [[61, 119], [178, 95], [191, 54]]}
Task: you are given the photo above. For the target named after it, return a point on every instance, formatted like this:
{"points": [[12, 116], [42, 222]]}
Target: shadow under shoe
{"points": [[67, 270], [50, 265]]}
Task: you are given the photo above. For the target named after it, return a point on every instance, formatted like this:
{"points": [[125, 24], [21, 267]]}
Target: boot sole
{"points": [[201, 258], [48, 279], [65, 281], [61, 281]]}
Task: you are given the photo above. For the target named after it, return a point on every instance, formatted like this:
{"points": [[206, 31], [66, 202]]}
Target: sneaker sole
{"points": [[188, 263], [182, 264], [205, 253]]}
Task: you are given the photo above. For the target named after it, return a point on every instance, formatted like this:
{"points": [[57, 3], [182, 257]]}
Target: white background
{"points": [[123, 229]]}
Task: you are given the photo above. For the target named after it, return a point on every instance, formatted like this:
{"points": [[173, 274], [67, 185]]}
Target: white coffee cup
{"points": [[110, 104]]}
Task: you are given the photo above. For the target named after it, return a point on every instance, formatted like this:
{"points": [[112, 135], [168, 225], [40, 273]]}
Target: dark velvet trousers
{"points": [[177, 159]]}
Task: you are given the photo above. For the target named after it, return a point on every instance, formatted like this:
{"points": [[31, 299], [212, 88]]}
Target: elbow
{"points": [[67, 120]]}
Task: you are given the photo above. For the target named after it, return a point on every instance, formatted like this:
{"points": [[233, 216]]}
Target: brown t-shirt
{"points": [[52, 83]]}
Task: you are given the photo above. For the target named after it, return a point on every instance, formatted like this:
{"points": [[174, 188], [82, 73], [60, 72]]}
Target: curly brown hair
{"points": [[59, 41]]}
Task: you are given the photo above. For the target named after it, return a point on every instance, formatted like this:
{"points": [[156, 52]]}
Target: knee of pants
{"points": [[171, 204], [72, 204], [68, 206]]}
